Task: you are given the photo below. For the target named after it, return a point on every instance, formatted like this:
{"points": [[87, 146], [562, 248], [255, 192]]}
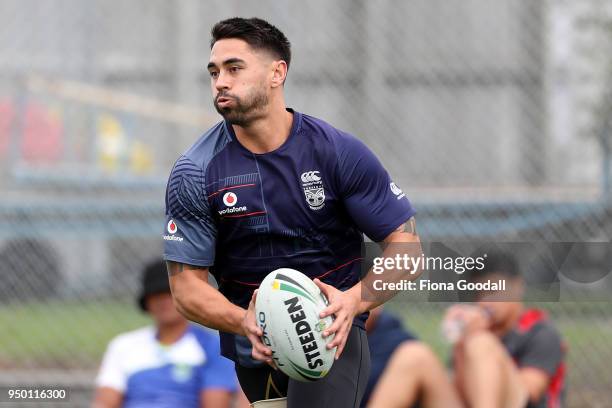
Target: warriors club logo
{"points": [[313, 189]]}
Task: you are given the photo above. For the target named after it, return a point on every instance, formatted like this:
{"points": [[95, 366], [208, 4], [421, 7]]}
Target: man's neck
{"points": [[170, 334], [268, 133]]}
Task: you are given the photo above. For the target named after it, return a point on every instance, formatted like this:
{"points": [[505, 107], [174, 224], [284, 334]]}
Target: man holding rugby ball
{"points": [[270, 187]]}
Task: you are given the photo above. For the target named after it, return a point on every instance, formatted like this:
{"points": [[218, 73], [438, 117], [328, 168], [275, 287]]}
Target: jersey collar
{"points": [[295, 127]]}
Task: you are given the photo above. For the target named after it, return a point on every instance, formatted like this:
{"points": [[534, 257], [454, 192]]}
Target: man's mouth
{"points": [[223, 100]]}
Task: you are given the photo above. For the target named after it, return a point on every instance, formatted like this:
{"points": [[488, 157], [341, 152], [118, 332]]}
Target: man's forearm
{"points": [[207, 306], [200, 302], [403, 241], [365, 304]]}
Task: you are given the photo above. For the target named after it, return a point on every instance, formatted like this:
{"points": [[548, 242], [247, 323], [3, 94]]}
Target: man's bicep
{"points": [[184, 279], [182, 275], [175, 268], [406, 232], [403, 241]]}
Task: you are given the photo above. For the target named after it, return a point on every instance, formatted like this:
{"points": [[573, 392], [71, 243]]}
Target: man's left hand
{"points": [[344, 306]]}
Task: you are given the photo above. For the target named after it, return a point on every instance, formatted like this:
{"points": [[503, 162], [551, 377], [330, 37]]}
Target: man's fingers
{"points": [[254, 334], [339, 342], [252, 328], [332, 309], [272, 364], [339, 351], [254, 296], [339, 338], [259, 347], [257, 355], [336, 325], [255, 330], [340, 345], [323, 287], [336, 342]]}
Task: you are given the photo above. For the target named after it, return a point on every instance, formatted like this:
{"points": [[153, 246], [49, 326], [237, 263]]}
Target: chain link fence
{"points": [[494, 118]]}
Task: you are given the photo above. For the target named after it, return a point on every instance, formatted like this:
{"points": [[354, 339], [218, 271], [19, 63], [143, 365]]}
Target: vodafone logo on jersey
{"points": [[230, 199], [172, 229]]}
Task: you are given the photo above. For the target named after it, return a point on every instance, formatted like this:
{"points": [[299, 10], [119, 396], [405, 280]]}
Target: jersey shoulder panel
{"points": [[208, 146], [343, 145], [186, 184], [319, 128], [336, 145]]}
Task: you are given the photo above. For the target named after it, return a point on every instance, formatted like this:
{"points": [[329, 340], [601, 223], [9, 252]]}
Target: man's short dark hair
{"points": [[256, 32]]}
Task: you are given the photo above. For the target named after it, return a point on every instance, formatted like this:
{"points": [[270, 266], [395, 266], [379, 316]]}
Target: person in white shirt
{"points": [[171, 364]]}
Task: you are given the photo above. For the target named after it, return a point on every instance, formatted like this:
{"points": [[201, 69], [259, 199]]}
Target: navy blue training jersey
{"points": [[304, 206]]}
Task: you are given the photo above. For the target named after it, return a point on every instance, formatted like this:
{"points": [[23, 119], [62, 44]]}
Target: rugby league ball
{"points": [[287, 310]]}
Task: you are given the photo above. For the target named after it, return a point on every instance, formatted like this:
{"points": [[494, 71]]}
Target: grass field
{"points": [[75, 334], [63, 333]]}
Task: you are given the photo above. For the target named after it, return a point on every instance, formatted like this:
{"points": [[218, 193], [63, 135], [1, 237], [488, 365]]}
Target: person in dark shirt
{"points": [[270, 187], [506, 350], [405, 371], [504, 354], [385, 335]]}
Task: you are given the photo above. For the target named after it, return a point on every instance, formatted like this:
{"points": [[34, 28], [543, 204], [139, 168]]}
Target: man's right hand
{"points": [[254, 333]]}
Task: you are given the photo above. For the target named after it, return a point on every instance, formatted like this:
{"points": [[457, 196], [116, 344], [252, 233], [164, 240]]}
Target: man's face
{"points": [[161, 308], [240, 79]]}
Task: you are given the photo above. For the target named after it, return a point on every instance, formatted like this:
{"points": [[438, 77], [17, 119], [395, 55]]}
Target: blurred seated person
{"points": [[394, 351], [504, 354], [386, 335], [171, 364]]}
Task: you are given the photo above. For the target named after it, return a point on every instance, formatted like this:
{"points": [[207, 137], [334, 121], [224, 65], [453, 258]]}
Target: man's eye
{"points": [[213, 74], [234, 69]]}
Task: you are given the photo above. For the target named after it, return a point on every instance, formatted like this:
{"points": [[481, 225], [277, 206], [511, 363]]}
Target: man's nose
{"points": [[222, 82]]}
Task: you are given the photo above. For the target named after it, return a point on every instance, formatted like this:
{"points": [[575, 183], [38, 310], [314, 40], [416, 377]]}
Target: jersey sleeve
{"points": [[190, 232], [112, 373], [544, 351], [376, 204], [218, 372]]}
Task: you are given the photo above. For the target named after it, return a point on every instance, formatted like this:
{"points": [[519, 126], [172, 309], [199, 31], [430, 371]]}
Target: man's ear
{"points": [[279, 73]]}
